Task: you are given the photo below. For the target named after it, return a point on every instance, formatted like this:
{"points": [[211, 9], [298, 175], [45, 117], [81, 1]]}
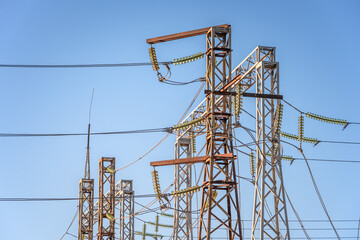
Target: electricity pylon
{"points": [[269, 219], [125, 194], [219, 201], [182, 203], [106, 207]]}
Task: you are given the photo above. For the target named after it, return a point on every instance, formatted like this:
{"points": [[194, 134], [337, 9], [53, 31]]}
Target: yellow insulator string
{"points": [[153, 59], [185, 191], [192, 142], [296, 138], [188, 59], [156, 183], [326, 119], [188, 124], [252, 164], [278, 117], [301, 128]]}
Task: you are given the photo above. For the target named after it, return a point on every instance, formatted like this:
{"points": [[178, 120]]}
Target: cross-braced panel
{"points": [[106, 207], [269, 213], [219, 202], [86, 203], [126, 206], [182, 212]]}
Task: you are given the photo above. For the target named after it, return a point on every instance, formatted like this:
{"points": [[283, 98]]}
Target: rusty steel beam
{"points": [[261, 95], [189, 160], [187, 34]]}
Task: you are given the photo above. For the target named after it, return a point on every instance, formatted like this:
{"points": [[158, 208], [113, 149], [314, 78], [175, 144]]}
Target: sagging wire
{"points": [[323, 118], [175, 83], [316, 188], [297, 216], [71, 223], [156, 67], [178, 61]]}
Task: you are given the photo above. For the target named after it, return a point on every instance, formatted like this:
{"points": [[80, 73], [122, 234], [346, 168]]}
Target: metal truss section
{"points": [[126, 206], [106, 207], [243, 75], [86, 203], [219, 201], [182, 203], [269, 212]]}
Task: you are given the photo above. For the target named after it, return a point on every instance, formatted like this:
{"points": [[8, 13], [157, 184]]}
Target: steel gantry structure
{"points": [[106, 207], [182, 203], [126, 207], [212, 118], [269, 185], [219, 202], [260, 70]]}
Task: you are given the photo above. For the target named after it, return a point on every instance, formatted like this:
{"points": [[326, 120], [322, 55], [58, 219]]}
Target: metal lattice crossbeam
{"points": [[86, 198]]}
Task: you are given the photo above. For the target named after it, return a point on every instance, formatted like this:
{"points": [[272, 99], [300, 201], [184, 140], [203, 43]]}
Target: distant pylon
{"points": [[106, 207], [125, 194]]}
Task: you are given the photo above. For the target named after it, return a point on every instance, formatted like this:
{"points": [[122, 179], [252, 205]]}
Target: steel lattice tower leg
{"points": [[182, 212], [269, 213], [106, 208], [126, 206], [86, 203], [219, 202]]}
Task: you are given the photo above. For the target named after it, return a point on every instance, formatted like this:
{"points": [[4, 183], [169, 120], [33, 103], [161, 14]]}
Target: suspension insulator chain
{"points": [[188, 59], [252, 164], [301, 128], [326, 119]]}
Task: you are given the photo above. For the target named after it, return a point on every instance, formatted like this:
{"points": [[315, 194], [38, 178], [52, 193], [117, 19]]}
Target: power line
{"points": [[152, 130], [94, 65], [329, 160], [45, 199]]}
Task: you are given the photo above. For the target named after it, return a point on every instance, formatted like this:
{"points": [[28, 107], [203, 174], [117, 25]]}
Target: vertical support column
{"points": [[219, 203], [126, 206], [182, 212], [269, 212], [86, 203], [106, 209]]}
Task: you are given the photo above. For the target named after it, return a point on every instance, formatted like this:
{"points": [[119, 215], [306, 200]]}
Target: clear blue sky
{"points": [[317, 46]]}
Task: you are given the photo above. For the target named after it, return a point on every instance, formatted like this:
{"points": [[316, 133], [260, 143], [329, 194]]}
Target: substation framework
{"points": [[112, 197], [219, 201], [259, 71]]}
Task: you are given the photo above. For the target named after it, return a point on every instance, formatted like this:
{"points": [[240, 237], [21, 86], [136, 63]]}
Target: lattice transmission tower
{"points": [[106, 207], [219, 204], [269, 212], [182, 203]]}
